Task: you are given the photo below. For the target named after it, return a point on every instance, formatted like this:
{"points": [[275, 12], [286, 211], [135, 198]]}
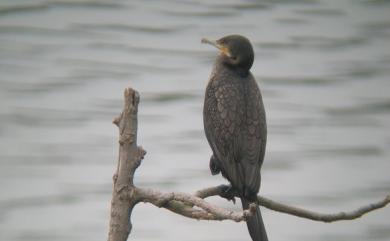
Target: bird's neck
{"points": [[223, 67]]}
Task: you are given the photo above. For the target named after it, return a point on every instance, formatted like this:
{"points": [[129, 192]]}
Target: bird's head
{"points": [[235, 51]]}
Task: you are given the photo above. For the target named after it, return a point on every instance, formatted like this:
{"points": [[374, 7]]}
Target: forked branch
{"points": [[126, 195]]}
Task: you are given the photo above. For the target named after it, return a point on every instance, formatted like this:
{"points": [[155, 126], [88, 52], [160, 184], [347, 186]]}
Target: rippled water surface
{"points": [[323, 67]]}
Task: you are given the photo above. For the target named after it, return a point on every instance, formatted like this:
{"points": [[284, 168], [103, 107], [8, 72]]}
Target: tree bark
{"points": [[130, 156]]}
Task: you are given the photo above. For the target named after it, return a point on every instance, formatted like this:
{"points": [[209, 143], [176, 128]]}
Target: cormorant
{"points": [[235, 124]]}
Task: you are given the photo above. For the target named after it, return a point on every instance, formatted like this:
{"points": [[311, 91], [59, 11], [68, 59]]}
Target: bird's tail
{"points": [[255, 223]]}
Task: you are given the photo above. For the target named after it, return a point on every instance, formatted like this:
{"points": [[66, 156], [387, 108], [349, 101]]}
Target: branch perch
{"points": [[299, 212], [182, 204], [125, 195]]}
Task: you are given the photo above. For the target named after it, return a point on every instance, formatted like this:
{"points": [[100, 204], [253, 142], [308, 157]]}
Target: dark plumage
{"points": [[235, 123]]}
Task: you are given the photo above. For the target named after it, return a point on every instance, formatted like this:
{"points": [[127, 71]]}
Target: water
{"points": [[323, 67]]}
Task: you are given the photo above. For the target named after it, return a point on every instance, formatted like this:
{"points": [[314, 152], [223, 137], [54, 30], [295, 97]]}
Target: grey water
{"points": [[323, 67]]}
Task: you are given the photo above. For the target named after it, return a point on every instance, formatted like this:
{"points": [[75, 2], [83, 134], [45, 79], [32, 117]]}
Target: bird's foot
{"points": [[228, 192], [213, 166]]}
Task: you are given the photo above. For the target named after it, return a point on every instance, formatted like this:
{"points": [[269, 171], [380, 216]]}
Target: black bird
{"points": [[235, 124]]}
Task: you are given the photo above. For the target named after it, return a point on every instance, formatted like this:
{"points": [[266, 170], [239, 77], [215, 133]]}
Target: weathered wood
{"points": [[191, 206], [130, 156], [194, 206], [303, 213]]}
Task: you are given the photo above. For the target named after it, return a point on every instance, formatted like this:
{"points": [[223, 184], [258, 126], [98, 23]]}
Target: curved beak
{"points": [[220, 47]]}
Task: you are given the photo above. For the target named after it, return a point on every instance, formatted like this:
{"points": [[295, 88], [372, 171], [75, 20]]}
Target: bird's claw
{"points": [[228, 193]]}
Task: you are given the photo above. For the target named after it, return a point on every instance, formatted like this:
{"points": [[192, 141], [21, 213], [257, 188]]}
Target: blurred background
{"points": [[323, 67]]}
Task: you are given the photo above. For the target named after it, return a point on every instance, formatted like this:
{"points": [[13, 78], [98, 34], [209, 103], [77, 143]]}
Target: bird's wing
{"points": [[236, 130], [254, 138], [223, 116]]}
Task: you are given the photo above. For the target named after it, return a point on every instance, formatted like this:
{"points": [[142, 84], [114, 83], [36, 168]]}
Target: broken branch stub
{"points": [[130, 156]]}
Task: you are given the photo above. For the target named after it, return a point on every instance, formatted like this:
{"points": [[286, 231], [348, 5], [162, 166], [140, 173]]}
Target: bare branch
{"points": [[283, 208], [322, 217], [183, 204], [130, 157]]}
